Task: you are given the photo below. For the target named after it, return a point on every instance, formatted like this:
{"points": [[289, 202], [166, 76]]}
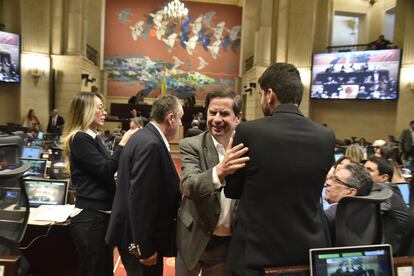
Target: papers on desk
{"points": [[50, 213]]}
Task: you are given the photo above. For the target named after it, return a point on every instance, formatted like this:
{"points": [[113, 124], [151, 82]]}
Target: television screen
{"points": [[365, 75], [9, 57]]}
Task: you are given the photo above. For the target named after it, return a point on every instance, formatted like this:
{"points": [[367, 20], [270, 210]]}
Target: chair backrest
{"points": [[358, 219], [14, 204]]}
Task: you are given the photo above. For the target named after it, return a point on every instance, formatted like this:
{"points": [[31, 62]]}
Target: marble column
{"points": [[75, 29]]}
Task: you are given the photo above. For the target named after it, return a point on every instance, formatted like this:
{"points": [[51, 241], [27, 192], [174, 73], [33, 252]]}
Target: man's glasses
{"points": [[339, 181]]}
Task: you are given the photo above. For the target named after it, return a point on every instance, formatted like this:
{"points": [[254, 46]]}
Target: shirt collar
{"points": [[219, 147], [162, 136], [91, 133]]}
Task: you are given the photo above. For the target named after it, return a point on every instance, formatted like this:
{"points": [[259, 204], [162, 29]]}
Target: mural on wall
{"points": [[192, 56]]}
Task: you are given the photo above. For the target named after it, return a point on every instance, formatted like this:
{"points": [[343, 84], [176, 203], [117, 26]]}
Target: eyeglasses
{"points": [[101, 109], [339, 181]]}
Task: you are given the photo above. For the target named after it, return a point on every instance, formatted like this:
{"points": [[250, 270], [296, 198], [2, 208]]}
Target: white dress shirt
{"points": [[223, 224]]}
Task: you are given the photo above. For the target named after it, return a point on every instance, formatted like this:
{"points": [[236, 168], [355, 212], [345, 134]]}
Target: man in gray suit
{"points": [[205, 215]]}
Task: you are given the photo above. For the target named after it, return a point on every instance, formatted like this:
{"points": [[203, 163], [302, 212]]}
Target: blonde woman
{"points": [[92, 171], [355, 153], [31, 120]]}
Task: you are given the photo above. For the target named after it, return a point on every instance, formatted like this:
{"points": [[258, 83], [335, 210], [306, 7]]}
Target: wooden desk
{"points": [[53, 254], [9, 264]]}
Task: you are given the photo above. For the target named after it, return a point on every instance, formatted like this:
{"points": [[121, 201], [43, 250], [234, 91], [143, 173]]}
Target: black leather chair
{"points": [[14, 215], [358, 219]]}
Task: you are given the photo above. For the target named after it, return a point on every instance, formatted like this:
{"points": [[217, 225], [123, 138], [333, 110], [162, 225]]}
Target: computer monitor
{"points": [[40, 135], [405, 192], [31, 152], [46, 191], [9, 156], [38, 166], [353, 260]]}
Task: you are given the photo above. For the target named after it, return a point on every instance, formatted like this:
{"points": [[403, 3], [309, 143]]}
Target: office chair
{"points": [[14, 215], [358, 219]]}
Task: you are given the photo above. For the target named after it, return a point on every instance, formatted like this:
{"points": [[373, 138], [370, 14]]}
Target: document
{"points": [[54, 213]]}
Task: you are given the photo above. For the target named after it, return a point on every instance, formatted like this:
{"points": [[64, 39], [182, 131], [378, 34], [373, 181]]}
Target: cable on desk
{"points": [[38, 237]]}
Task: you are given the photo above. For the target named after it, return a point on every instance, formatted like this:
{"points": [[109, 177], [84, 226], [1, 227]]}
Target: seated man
{"points": [[349, 180], [194, 130], [395, 213]]}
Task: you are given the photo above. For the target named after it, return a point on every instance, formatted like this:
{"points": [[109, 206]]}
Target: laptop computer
{"points": [[46, 191], [352, 261], [38, 167], [405, 191], [31, 152]]}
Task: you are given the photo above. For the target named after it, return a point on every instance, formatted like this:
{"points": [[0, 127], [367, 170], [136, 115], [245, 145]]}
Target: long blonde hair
{"points": [[81, 116], [355, 153]]}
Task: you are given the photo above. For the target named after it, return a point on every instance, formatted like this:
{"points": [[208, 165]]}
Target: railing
{"points": [[347, 48]]}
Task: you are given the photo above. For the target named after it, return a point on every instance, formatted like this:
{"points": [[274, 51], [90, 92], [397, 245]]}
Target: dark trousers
{"points": [[88, 231], [134, 268]]}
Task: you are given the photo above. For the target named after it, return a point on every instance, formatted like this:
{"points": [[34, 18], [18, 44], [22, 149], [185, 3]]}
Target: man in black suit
{"points": [[147, 198], [407, 141], [280, 216], [56, 122]]}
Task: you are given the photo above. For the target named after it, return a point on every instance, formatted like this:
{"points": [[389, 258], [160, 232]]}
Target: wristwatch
{"points": [[134, 250]]}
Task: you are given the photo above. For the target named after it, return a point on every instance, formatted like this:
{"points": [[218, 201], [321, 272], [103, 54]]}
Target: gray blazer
{"points": [[200, 205]]}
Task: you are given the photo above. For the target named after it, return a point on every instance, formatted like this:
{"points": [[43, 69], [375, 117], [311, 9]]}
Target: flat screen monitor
{"points": [[9, 156], [405, 191], [40, 135], [362, 75], [354, 260], [38, 166], [46, 191], [9, 57], [31, 152]]}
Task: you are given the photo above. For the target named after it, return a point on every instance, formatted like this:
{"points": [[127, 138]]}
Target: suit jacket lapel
{"points": [[210, 152], [211, 158]]}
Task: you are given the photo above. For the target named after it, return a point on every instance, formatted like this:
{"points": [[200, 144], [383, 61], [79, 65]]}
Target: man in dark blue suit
{"points": [[280, 216], [143, 219]]}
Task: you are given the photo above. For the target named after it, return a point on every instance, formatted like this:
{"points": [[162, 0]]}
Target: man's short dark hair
{"points": [[225, 93], [360, 179], [384, 166], [284, 80], [162, 106], [412, 122]]}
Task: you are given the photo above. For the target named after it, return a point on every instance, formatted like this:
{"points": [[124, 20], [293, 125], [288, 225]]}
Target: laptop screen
{"points": [[38, 167], [354, 260], [31, 152], [405, 192], [338, 155], [46, 191]]}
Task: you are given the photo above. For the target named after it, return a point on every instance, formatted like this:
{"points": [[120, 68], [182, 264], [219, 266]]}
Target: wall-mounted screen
{"points": [[365, 75], [9, 57]]}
